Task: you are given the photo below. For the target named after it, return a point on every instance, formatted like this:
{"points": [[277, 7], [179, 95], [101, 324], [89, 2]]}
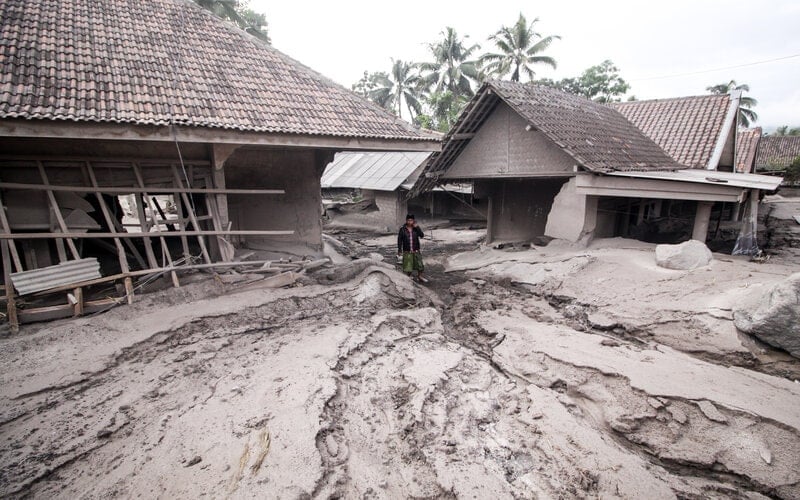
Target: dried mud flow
{"points": [[362, 384]]}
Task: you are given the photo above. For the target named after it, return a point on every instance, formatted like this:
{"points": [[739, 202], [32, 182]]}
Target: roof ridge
{"points": [[662, 99]]}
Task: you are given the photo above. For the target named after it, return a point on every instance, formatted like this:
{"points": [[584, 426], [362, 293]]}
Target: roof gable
{"points": [[687, 128], [746, 145], [162, 62]]}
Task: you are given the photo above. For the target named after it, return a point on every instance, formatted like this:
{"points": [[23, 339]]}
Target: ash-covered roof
{"points": [[598, 137], [776, 152], [687, 128], [161, 62]]}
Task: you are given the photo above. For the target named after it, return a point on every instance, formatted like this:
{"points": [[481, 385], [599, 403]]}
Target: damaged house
{"points": [[382, 181], [560, 166], [138, 137]]}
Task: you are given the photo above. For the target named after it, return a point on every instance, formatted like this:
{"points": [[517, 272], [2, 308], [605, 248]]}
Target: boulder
{"points": [[687, 255], [774, 317]]}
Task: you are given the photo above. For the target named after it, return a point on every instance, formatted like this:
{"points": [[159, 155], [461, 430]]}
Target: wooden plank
{"points": [[190, 210], [164, 247], [7, 229], [229, 232], [57, 212], [224, 247], [184, 241], [11, 304], [148, 244], [134, 190], [123, 259]]}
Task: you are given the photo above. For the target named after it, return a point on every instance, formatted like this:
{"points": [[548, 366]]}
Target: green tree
{"points": [[369, 82], [746, 115], [519, 48], [400, 86], [240, 13], [444, 108], [600, 83], [785, 130], [452, 68], [792, 174]]}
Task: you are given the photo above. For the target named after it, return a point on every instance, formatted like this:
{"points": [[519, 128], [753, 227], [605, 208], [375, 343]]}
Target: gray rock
{"points": [[684, 256], [774, 317]]}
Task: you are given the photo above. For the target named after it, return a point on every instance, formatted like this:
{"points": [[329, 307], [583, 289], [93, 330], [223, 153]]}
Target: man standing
{"points": [[408, 246]]}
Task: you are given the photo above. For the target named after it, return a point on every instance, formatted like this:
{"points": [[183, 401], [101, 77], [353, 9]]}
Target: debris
{"points": [[711, 411]]}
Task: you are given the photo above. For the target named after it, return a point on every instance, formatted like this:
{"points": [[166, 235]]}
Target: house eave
{"points": [[132, 132]]}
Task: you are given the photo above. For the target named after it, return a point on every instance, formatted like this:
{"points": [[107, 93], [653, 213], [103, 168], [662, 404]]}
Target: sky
{"points": [[663, 49]]}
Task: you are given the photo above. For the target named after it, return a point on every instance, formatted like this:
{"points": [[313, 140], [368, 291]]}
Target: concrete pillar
{"points": [[701, 220]]}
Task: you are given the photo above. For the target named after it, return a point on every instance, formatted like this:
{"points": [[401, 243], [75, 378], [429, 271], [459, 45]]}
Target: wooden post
{"points": [[7, 228], [77, 308], [11, 304], [123, 259], [164, 246]]}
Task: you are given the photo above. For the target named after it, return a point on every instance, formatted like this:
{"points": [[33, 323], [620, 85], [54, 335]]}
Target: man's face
{"points": [[409, 222]]}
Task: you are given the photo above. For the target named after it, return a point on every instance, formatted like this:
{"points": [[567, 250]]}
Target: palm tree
{"points": [[401, 86], [451, 69], [746, 115], [519, 48]]}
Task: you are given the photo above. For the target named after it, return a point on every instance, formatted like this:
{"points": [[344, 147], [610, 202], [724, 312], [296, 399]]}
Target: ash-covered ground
{"points": [[540, 372]]}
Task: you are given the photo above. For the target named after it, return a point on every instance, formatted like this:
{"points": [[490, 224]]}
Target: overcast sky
{"points": [[655, 44]]}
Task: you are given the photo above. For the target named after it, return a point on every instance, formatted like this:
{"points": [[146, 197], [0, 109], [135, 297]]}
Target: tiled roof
{"points": [[599, 138], [157, 62], [746, 144], [687, 128], [777, 151], [382, 171]]}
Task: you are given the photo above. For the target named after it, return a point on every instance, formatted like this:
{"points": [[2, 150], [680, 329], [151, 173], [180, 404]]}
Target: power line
{"points": [[713, 70]]}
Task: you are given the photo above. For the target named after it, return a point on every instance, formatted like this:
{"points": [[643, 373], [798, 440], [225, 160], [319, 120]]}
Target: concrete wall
{"points": [[518, 208], [392, 207], [573, 216], [298, 172], [503, 148]]}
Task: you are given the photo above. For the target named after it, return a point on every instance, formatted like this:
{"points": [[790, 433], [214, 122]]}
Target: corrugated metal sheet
{"points": [[383, 171], [62, 274]]}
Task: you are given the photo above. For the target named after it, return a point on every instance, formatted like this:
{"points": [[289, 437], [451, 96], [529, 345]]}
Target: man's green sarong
{"points": [[412, 262]]}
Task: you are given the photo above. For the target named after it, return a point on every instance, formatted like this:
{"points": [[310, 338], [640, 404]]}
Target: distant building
{"points": [[776, 152], [387, 178]]}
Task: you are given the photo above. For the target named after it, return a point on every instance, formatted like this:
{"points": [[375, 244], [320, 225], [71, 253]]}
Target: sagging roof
{"points": [[746, 145], [598, 137], [162, 62], [776, 152], [687, 128], [381, 171]]}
